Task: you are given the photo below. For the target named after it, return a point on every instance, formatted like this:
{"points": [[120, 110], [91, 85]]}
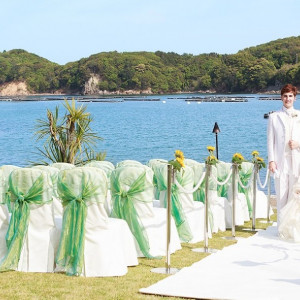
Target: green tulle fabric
{"points": [[245, 174], [19, 221], [222, 172], [177, 212], [54, 178], [199, 194], [70, 254], [123, 208], [156, 190]]}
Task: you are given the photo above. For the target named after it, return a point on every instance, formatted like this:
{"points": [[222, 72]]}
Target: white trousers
{"points": [[284, 190]]}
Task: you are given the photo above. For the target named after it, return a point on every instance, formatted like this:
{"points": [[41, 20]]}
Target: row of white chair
{"points": [[130, 191]]}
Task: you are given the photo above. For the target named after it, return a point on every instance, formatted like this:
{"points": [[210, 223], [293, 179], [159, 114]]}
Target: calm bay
{"points": [[142, 130]]}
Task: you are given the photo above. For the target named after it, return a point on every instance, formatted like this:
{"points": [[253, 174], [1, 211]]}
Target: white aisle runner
{"points": [[259, 267]]}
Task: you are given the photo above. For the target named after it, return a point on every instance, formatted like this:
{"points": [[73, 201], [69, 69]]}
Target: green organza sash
{"points": [[222, 173], [70, 252], [183, 228], [245, 176], [123, 208], [160, 173], [178, 214], [182, 225], [6, 170], [19, 221], [199, 194], [154, 165]]}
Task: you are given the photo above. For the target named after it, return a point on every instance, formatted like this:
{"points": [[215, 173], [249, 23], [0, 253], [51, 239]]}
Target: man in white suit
{"points": [[284, 146]]}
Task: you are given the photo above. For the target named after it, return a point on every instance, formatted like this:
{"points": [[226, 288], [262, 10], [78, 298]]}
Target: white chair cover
{"points": [[107, 167], [31, 189], [261, 198], [216, 204], [108, 243], [188, 214], [57, 205], [132, 197], [62, 166], [6, 170], [128, 162], [241, 208], [151, 164], [193, 210], [4, 217]]}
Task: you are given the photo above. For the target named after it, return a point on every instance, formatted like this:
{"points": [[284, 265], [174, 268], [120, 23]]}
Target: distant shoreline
{"points": [[23, 97]]}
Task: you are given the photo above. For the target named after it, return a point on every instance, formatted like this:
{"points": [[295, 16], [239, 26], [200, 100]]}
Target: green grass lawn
{"points": [[18, 285]]}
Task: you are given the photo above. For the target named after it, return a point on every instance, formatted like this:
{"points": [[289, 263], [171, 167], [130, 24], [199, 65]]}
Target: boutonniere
{"points": [[294, 115]]}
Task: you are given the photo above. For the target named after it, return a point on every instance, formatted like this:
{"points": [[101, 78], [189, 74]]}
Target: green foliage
{"points": [[69, 139], [250, 70]]}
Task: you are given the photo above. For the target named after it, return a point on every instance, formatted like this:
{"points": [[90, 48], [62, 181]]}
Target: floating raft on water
{"points": [[101, 100], [217, 99], [141, 99], [275, 97], [118, 100]]}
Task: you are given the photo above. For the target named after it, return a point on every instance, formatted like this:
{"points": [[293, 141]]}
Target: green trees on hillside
{"points": [[250, 70]]}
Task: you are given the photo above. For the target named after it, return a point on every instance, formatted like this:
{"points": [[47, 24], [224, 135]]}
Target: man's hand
{"points": [[293, 144], [272, 166]]}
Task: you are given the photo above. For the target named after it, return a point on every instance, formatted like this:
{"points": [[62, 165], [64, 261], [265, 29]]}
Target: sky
{"points": [[63, 31]]}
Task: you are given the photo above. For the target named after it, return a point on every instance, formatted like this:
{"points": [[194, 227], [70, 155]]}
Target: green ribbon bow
{"points": [[123, 208], [18, 224], [70, 252], [244, 177]]}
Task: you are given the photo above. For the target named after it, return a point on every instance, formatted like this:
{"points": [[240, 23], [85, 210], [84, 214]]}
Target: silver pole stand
{"points": [[234, 193], [269, 203], [255, 170], [168, 269], [206, 249]]}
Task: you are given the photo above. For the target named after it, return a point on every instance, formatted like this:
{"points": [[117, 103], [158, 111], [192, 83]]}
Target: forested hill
{"points": [[254, 69]]}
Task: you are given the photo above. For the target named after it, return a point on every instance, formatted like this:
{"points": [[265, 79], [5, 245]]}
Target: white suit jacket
{"points": [[277, 139]]}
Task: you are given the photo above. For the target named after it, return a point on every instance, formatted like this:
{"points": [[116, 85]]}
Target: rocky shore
{"points": [[17, 89]]}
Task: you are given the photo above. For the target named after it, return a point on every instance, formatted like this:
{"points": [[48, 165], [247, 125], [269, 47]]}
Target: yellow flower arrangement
{"points": [[258, 160], [211, 159], [238, 158], [181, 162], [178, 162], [179, 154]]}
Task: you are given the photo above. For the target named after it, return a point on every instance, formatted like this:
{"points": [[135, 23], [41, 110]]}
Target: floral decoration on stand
{"points": [[178, 162], [238, 159], [211, 159], [258, 160]]}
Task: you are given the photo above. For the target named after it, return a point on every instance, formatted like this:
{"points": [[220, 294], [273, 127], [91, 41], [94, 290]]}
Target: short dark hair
{"points": [[289, 88]]}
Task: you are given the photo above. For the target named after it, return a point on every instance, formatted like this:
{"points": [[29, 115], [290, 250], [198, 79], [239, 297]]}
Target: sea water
{"points": [[143, 130]]}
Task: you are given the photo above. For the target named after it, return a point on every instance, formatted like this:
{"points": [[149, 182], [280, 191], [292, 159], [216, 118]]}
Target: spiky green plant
{"points": [[68, 139]]}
